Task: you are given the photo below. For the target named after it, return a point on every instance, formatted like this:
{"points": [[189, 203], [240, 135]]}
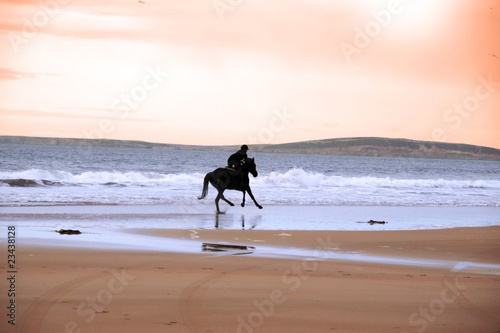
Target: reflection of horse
{"points": [[228, 179], [254, 221]]}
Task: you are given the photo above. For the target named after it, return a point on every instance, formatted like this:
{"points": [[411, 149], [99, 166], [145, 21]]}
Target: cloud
{"points": [[303, 33], [91, 109], [10, 74], [297, 30], [49, 114], [20, 2]]}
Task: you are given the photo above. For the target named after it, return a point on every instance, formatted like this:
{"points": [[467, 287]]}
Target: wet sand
{"points": [[90, 290], [270, 218]]}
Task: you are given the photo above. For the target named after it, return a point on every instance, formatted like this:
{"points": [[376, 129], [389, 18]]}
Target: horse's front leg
{"points": [[243, 202], [251, 196]]}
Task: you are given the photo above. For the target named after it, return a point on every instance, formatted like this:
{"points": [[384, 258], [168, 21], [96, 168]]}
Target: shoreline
{"points": [[292, 244], [101, 290], [400, 243], [203, 216]]}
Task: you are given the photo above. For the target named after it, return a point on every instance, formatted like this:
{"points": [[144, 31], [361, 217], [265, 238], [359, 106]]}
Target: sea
{"points": [[63, 176], [58, 175]]}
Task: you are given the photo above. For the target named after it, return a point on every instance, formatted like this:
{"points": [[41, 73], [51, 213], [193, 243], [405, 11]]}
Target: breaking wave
{"points": [[295, 186], [37, 177], [294, 178]]}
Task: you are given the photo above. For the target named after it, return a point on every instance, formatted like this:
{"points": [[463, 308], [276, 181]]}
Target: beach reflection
{"points": [[223, 221]]}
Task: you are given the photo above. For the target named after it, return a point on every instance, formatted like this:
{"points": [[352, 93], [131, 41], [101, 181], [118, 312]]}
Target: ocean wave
{"points": [[37, 177], [292, 187], [20, 182], [298, 178], [294, 178]]}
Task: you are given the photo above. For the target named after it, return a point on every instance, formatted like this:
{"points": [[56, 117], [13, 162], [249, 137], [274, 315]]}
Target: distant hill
{"points": [[28, 140], [385, 147]]}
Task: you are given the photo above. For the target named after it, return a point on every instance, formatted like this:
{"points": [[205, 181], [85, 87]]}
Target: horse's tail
{"points": [[205, 186]]}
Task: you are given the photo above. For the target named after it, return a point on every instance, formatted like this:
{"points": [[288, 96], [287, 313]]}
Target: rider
{"points": [[236, 160]]}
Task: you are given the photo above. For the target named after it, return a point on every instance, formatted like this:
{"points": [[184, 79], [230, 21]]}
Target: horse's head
{"points": [[251, 167]]}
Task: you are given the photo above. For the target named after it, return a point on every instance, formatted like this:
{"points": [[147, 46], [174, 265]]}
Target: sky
{"points": [[224, 72]]}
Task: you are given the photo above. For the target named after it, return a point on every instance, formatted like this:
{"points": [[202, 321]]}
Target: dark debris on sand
{"points": [[372, 222], [68, 232]]}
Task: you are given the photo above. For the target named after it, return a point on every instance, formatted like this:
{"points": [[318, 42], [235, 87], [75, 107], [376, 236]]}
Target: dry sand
{"points": [[77, 290]]}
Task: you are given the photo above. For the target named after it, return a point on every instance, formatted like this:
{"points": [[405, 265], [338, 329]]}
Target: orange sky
{"points": [[241, 71]]}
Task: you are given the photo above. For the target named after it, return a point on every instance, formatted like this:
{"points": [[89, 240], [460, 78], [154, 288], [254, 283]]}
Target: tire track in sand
{"points": [[484, 314], [191, 299], [32, 319]]}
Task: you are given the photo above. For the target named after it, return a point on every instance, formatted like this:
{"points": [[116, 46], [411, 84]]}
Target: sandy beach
{"points": [[231, 166], [97, 290]]}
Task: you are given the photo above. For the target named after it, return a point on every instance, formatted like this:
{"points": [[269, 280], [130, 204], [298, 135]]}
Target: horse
{"points": [[229, 179]]}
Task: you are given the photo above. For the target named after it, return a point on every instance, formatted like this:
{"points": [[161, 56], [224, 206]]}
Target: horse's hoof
{"points": [[260, 207], [242, 204], [231, 204]]}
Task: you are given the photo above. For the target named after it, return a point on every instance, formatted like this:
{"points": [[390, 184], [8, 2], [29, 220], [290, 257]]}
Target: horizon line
{"points": [[256, 144]]}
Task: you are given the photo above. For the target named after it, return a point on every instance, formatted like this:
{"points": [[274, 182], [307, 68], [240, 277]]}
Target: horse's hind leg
{"points": [[229, 202], [217, 202], [221, 196]]}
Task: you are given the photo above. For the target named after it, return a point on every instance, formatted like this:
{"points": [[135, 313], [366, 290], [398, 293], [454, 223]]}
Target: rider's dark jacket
{"points": [[237, 159]]}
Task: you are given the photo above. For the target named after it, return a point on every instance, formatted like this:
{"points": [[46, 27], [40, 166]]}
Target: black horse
{"points": [[228, 179]]}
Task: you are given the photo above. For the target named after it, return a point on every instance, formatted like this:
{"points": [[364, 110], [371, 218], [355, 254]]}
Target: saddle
{"points": [[235, 175]]}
